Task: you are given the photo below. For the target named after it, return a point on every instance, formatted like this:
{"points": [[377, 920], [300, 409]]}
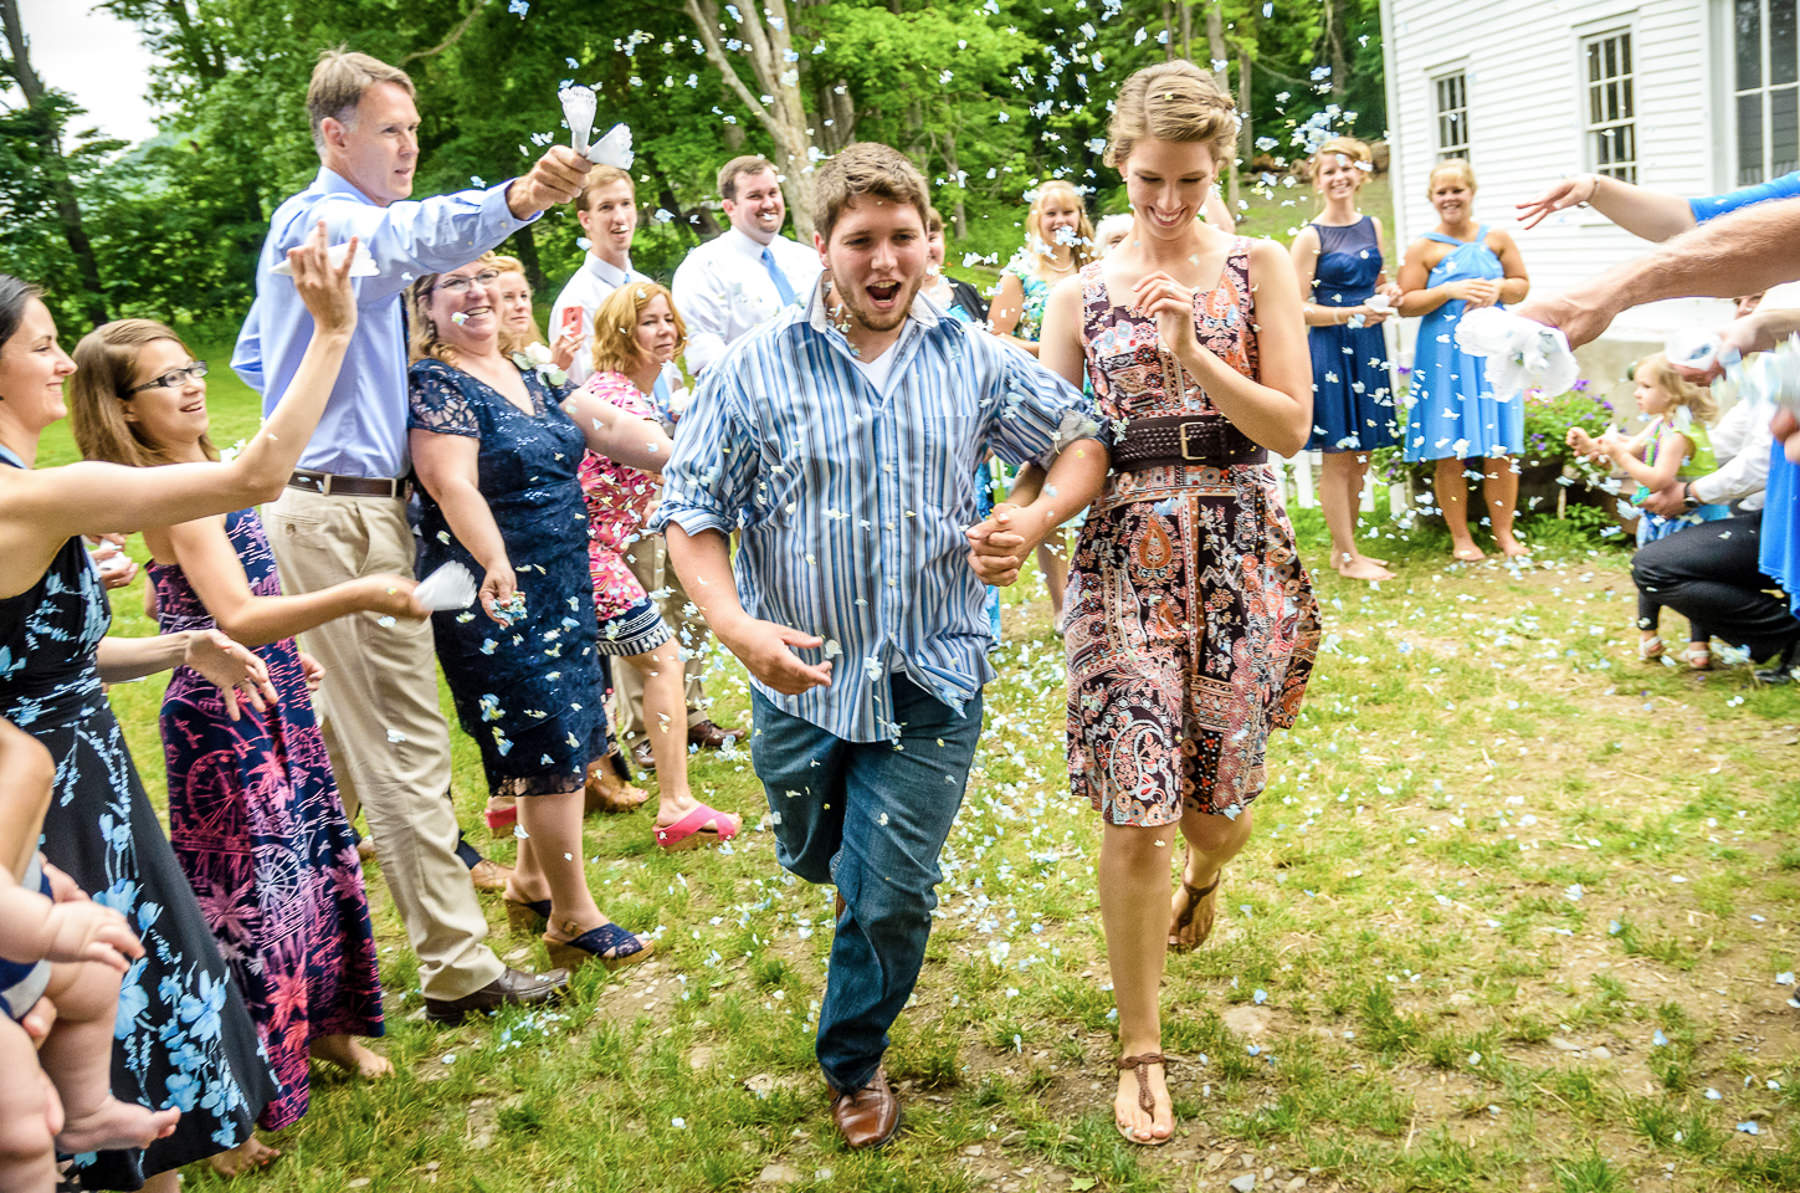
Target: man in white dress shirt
{"points": [[734, 283], [606, 208], [607, 211]]}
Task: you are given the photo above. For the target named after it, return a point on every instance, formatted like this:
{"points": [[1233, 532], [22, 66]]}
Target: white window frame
{"points": [[1457, 77], [1609, 102], [1774, 160]]}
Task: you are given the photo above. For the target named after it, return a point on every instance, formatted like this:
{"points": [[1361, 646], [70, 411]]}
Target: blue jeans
{"points": [[872, 819]]}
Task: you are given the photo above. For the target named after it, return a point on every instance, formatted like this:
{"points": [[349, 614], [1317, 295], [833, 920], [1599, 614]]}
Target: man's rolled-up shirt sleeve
{"points": [[1034, 413], [712, 474], [415, 237]]}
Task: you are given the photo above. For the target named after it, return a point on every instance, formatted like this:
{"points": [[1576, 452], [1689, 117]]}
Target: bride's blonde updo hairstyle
{"points": [[1171, 101]]}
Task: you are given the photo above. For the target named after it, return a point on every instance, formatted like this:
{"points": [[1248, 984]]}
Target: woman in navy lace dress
{"points": [[184, 1038], [497, 454], [1345, 284]]}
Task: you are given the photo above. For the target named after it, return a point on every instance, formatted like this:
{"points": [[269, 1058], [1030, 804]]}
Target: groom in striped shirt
{"points": [[841, 439]]}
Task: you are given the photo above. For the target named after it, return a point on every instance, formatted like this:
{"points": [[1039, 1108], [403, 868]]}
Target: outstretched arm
{"points": [[1740, 253], [1650, 214]]}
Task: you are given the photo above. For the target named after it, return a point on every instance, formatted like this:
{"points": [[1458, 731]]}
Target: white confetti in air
{"points": [[363, 266]]}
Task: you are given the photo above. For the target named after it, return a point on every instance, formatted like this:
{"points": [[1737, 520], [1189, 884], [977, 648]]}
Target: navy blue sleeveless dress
{"points": [[183, 1037], [1353, 387]]}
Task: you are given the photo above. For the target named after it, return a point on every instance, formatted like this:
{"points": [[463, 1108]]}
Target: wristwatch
{"points": [[1688, 500]]}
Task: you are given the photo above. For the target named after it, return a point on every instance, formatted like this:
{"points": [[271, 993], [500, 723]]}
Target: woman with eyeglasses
{"points": [[496, 445], [183, 1036], [254, 813]]}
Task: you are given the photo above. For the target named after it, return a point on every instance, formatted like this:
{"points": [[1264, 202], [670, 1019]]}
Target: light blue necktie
{"points": [[659, 399], [775, 275]]}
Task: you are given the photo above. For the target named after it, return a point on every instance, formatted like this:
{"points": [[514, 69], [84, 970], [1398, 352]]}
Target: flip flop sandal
{"points": [[609, 944], [1195, 897], [1140, 1064], [697, 828], [1698, 656]]}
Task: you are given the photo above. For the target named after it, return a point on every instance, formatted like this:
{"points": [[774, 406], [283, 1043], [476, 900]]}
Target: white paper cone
{"points": [[449, 588], [614, 149], [578, 105]]}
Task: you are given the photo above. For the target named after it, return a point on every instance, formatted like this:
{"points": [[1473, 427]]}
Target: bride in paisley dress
{"points": [[1191, 625]]}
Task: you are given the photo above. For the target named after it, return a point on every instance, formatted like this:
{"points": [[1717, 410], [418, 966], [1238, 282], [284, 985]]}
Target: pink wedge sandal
{"points": [[697, 828]]}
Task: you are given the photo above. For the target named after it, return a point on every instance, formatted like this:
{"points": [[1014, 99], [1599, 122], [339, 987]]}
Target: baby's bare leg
{"points": [[78, 1058], [28, 1116]]}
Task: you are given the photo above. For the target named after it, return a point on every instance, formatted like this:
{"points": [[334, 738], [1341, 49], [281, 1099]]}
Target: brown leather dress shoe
{"points": [[709, 736], [643, 757], [489, 875], [867, 1117], [512, 988]]}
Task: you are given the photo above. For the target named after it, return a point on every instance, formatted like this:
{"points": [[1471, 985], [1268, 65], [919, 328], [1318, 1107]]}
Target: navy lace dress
{"points": [[1353, 388], [183, 1037], [530, 693]]}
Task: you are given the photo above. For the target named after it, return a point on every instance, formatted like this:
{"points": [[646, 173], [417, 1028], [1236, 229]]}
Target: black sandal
{"points": [[1195, 897], [1141, 1065]]}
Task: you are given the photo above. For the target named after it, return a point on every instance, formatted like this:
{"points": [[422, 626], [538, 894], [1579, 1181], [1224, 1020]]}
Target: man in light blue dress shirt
{"points": [[841, 439], [344, 513]]}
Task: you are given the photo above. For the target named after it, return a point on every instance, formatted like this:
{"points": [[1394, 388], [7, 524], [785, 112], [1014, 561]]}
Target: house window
{"points": [[1611, 106], [1765, 89], [1452, 96]]}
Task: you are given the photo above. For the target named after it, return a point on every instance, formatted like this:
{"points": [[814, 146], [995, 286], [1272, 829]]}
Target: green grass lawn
{"points": [[1515, 916], [1518, 914]]}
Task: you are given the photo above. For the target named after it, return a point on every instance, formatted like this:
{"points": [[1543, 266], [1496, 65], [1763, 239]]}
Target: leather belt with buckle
{"points": [[328, 485], [1208, 441]]}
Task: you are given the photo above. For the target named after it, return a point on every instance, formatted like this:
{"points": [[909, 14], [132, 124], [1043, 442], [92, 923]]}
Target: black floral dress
{"points": [[530, 693], [183, 1037]]}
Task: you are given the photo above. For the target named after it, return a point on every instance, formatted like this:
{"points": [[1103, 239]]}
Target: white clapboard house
{"points": [[1692, 97]]}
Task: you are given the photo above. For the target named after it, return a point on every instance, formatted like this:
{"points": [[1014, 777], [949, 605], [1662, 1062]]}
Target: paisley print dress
{"points": [[1192, 624]]}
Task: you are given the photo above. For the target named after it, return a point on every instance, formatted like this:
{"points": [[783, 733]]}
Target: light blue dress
{"points": [[1780, 549], [1454, 413]]}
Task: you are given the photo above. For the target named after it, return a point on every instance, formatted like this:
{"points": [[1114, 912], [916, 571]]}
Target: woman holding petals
{"points": [[1456, 419], [496, 446]]}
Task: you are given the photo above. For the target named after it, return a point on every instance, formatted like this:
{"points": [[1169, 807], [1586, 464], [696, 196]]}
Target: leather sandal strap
{"points": [[1140, 1065]]}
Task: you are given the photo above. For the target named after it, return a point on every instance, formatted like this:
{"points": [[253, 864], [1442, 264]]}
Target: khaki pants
{"points": [[648, 560], [389, 746]]}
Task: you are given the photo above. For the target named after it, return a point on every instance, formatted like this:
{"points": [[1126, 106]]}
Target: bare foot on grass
{"points": [[1361, 567], [1140, 1125], [349, 1054], [247, 1156]]}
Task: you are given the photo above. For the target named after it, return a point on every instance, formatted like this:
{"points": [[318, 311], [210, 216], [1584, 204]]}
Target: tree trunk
{"points": [[1168, 30], [1187, 26], [959, 215], [56, 171], [763, 26], [1246, 133], [1215, 46], [1334, 49], [699, 222], [524, 246]]}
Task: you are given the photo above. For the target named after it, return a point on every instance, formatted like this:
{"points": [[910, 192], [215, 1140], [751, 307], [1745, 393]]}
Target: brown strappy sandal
{"points": [[1140, 1064], [1197, 897]]}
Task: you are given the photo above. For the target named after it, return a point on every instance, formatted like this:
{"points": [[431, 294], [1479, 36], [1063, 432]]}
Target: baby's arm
{"points": [[1660, 475], [35, 928]]}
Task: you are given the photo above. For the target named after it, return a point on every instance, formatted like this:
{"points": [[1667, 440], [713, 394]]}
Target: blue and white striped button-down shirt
{"points": [[853, 502]]}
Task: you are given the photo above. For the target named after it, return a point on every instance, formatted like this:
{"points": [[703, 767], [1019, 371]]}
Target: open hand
{"points": [[325, 288], [767, 649], [1570, 192], [235, 669]]}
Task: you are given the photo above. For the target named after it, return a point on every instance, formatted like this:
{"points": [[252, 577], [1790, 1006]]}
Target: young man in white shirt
{"points": [[735, 282], [606, 208], [607, 211]]}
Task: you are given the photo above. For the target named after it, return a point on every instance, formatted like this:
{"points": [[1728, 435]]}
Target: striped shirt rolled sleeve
{"points": [[852, 501]]}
